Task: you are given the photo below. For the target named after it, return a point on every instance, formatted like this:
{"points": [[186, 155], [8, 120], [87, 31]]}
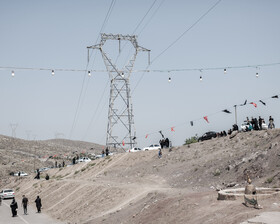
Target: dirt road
{"points": [[31, 218]]}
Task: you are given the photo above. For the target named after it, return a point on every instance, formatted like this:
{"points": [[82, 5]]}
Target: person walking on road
{"points": [[14, 207], [38, 204], [24, 204]]}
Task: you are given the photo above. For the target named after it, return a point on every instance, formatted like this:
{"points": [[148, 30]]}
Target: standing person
{"points": [[260, 122], [63, 164], [167, 143], [24, 204], [107, 151], [38, 204], [74, 160], [38, 174], [271, 123], [0, 201], [103, 153], [14, 207], [161, 142], [159, 153]]}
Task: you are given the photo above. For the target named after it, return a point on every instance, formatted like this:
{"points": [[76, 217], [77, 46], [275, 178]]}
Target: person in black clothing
{"points": [[271, 123], [47, 177], [14, 207], [37, 175], [260, 122], [234, 127], [74, 160], [167, 143], [107, 151], [161, 142], [38, 204], [24, 204]]}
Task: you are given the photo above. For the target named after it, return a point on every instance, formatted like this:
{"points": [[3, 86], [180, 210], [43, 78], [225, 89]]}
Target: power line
{"points": [[146, 24], [80, 95], [144, 70], [136, 29], [196, 22]]}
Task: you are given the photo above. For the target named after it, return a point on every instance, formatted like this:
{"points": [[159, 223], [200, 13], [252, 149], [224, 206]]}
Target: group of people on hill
{"points": [[47, 177], [106, 152], [24, 204], [253, 124], [59, 165], [258, 124]]}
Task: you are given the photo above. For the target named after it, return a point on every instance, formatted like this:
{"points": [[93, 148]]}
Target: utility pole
{"points": [[58, 135], [235, 106], [14, 127], [120, 116], [28, 132]]}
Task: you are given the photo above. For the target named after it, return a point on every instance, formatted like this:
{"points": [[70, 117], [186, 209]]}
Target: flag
{"points": [[146, 136], [263, 102], [123, 143], [206, 119], [255, 105], [172, 128], [276, 96], [191, 123], [226, 111], [244, 103]]}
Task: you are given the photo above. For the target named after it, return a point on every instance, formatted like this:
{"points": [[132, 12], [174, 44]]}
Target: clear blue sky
{"points": [[55, 34]]}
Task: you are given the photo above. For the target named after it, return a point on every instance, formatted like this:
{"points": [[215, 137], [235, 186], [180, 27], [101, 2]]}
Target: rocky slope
{"points": [[180, 187]]}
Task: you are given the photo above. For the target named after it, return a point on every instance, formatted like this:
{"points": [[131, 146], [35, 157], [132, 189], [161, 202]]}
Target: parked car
{"points": [[20, 174], [134, 150], [7, 193], [83, 159], [43, 169], [104, 155], [207, 135], [152, 147]]}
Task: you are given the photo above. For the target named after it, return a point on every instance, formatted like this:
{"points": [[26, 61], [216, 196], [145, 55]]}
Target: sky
{"points": [[69, 104]]}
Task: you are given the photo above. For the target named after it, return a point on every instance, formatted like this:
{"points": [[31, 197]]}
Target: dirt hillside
{"points": [[141, 188]]}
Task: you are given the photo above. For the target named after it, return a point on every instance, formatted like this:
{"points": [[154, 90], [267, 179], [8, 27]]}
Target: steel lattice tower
{"points": [[120, 115]]}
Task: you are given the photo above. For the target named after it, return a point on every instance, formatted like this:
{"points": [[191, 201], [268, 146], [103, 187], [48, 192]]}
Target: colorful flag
{"points": [[255, 105], [172, 128], [206, 118]]}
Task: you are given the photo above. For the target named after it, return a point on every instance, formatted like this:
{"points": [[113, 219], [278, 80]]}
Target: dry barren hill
{"points": [[178, 188], [22, 155]]}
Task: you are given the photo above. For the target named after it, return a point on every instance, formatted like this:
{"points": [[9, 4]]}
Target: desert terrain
{"points": [[180, 187]]}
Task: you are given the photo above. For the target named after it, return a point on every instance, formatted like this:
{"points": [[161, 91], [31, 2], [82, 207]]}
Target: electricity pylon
{"points": [[120, 115], [14, 127]]}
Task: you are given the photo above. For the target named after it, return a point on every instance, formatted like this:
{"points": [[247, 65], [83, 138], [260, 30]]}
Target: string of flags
{"points": [[172, 129]]}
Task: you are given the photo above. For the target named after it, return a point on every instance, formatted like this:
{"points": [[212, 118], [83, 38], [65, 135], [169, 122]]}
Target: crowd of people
{"points": [[249, 125], [258, 124]]}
